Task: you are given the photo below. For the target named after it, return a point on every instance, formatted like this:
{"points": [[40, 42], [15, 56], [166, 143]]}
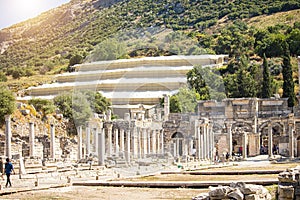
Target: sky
{"points": [[14, 11]]}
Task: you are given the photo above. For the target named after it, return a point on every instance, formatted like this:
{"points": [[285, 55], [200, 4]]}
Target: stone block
{"points": [[236, 194], [286, 192], [219, 192], [251, 189], [202, 196], [252, 197]]}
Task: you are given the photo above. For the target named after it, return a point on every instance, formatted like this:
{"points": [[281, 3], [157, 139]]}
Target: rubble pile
{"points": [[238, 191], [289, 184]]}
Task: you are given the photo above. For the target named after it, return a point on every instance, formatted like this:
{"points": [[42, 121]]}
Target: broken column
{"points": [[270, 140], [31, 139], [88, 139], [117, 142], [109, 132], [166, 107], [79, 135], [101, 145], [228, 125], [7, 136], [291, 139], [52, 141], [128, 146]]}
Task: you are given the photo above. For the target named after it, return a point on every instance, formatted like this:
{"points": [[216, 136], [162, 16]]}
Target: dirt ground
{"points": [[107, 193]]}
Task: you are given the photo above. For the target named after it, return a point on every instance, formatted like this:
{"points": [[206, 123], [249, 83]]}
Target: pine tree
{"points": [[288, 83], [266, 84]]}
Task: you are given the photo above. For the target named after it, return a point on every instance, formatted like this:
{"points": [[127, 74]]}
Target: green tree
{"points": [[287, 73], [185, 101], [3, 77], [266, 84], [43, 105], [7, 103], [195, 80]]}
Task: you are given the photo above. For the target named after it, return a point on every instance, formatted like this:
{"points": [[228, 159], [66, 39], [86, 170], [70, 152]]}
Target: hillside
{"points": [[45, 44]]}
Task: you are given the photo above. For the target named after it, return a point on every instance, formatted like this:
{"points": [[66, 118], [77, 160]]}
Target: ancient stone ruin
{"points": [[289, 184], [236, 191]]}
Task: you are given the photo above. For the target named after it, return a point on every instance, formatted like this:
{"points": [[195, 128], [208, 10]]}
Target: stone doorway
{"points": [[277, 129], [177, 143]]}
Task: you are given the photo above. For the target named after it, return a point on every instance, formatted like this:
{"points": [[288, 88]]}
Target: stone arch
{"points": [[238, 130], [177, 144], [277, 132]]}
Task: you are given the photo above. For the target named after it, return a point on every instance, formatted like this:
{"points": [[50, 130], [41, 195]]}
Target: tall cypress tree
{"points": [[266, 84], [288, 83]]}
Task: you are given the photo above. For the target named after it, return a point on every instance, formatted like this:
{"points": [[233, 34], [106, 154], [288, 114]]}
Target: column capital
{"points": [[109, 125], [7, 117]]}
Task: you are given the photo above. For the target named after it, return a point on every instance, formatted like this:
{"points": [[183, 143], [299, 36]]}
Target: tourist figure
{"points": [[1, 168], [9, 168]]}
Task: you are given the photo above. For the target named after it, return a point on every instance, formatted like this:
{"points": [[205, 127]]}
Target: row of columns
{"points": [[205, 142], [8, 136], [135, 142]]}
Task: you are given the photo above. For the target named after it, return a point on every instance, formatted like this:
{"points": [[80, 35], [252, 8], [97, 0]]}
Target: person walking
{"points": [[9, 168]]}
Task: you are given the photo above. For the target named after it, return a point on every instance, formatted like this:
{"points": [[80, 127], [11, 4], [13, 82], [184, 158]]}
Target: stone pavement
{"points": [[101, 176]]}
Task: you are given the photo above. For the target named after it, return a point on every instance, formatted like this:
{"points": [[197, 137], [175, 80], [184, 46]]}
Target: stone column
{"points": [[122, 143], [31, 139], [148, 141], [88, 140], [101, 145], [79, 135], [158, 142], [96, 140], [291, 140], [134, 142], [139, 143], [299, 71], [128, 146], [270, 140], [145, 143], [166, 107], [153, 141], [212, 142], [229, 125], [117, 141], [199, 152], [162, 148], [52, 141], [7, 136], [109, 129], [204, 142], [202, 149], [245, 139]]}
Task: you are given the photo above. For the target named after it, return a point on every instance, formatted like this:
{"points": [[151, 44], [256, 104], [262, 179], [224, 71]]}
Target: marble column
{"points": [[245, 142], [270, 140], [204, 142], [145, 143], [101, 145], [134, 142], [88, 140], [52, 141], [291, 140], [109, 132], [158, 141], [31, 139], [96, 140], [117, 141], [230, 139], [166, 107], [149, 141], [199, 155], [202, 150], [153, 141], [79, 135], [212, 142], [162, 147], [128, 146], [122, 142], [7, 136], [139, 143]]}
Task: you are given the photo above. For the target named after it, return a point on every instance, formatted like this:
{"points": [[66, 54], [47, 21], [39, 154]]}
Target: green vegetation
{"points": [[7, 103]]}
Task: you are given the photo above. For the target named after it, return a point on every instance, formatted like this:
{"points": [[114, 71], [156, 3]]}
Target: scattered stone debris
{"points": [[238, 191], [289, 184]]}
